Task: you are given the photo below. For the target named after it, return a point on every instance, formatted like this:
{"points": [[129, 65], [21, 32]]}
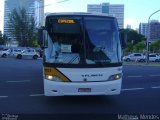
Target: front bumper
{"points": [[52, 88]]}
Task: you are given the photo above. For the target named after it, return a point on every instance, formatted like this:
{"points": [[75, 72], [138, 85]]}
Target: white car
{"points": [[135, 57], [5, 52], [27, 53], [14, 52], [154, 57]]}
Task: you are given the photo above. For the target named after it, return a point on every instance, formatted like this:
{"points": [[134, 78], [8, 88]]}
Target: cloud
{"points": [[65, 6]]}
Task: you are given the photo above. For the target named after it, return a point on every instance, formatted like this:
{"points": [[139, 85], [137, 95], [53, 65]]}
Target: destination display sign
{"points": [[66, 21]]}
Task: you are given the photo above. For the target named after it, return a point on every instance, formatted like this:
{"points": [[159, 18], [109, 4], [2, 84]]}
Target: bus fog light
{"points": [[115, 76]]}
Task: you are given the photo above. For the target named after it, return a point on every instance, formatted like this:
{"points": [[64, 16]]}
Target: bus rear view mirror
{"points": [[41, 37], [123, 38]]}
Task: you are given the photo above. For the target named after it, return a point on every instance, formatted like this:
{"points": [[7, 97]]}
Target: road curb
{"points": [[142, 64]]}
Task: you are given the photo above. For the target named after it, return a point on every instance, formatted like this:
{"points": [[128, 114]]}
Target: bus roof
{"points": [[79, 13]]}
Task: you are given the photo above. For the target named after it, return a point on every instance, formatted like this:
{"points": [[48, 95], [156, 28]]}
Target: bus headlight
{"points": [[115, 76], [49, 77], [53, 78]]}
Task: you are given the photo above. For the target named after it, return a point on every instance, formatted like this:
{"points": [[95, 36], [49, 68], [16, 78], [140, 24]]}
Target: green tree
{"points": [[133, 36], [139, 47], [155, 46], [135, 41], [35, 41], [3, 39], [23, 27], [129, 48]]}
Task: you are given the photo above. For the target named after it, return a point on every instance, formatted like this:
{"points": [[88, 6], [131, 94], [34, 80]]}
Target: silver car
{"points": [[135, 57], [27, 53], [5, 52], [154, 57]]}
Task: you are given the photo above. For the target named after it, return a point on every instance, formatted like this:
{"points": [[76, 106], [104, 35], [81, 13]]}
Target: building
{"points": [[39, 12], [116, 10], [128, 26], [33, 7], [154, 31], [143, 29]]}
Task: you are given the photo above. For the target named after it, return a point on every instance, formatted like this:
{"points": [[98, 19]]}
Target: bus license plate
{"points": [[84, 89]]}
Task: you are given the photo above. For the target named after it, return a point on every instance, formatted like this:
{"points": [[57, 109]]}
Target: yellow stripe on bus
{"points": [[55, 72]]}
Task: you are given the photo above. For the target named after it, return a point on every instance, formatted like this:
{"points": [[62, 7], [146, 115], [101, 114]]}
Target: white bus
{"points": [[82, 54]]}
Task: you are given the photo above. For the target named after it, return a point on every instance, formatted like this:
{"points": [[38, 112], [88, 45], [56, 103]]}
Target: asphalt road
{"points": [[21, 93]]}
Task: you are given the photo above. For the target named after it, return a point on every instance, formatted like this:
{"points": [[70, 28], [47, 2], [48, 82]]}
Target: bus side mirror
{"points": [[123, 38], [41, 37]]}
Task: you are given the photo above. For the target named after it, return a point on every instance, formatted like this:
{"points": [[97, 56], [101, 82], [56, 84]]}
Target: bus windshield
{"points": [[84, 40]]}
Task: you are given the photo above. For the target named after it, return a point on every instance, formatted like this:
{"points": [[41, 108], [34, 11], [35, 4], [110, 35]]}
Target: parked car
{"points": [[154, 57], [5, 52], [27, 53], [14, 51], [135, 57]]}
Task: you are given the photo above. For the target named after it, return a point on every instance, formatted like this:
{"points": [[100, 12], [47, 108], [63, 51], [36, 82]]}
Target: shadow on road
{"points": [[82, 104]]}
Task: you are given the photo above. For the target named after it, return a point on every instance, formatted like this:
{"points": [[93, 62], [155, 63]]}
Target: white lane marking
{"points": [[135, 76], [18, 81], [154, 75], [3, 96], [155, 87], [132, 89], [35, 95]]}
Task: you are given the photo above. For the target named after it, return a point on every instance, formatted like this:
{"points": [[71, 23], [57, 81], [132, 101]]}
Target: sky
{"points": [[135, 11]]}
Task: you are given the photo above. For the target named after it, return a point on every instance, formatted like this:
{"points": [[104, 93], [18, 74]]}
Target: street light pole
{"points": [[148, 36]]}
